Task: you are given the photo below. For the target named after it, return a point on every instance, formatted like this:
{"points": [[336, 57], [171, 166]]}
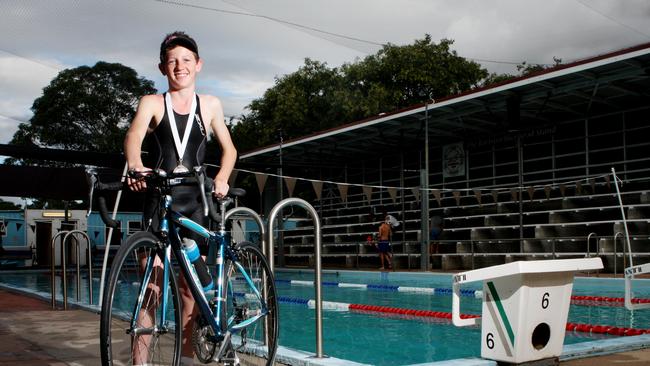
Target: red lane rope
{"points": [[413, 312], [605, 329], [575, 327], [609, 299]]}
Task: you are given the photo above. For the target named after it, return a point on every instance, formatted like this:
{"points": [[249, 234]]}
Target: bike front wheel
{"points": [[141, 314], [245, 303]]}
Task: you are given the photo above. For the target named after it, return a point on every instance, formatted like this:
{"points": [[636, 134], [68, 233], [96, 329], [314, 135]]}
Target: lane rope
{"points": [[340, 306], [575, 300]]}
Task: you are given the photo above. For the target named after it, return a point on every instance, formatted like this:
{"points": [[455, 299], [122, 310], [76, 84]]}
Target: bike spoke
{"points": [[251, 303], [133, 328]]}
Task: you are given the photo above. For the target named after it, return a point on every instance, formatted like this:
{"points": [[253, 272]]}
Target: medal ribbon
{"points": [[180, 145]]}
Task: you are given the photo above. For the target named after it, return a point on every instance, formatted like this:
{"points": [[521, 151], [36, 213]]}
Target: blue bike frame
{"points": [[168, 229]]}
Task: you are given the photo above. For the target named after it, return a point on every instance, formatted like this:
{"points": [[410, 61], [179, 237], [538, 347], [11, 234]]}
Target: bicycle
{"points": [[141, 309]]}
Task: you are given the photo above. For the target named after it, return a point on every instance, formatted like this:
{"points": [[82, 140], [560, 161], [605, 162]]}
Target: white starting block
{"points": [[630, 272], [525, 307]]}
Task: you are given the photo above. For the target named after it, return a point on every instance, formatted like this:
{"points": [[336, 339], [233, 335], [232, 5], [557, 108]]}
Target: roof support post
{"points": [[424, 227]]}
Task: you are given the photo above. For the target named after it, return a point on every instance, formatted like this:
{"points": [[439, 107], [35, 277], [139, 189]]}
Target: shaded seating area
{"points": [[518, 170], [561, 225]]}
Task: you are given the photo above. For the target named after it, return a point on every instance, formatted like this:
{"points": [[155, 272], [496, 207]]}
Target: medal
{"points": [[180, 145], [180, 169]]}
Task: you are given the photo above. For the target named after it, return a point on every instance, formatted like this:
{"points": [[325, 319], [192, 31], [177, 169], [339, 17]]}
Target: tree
{"points": [[85, 108], [524, 69], [401, 76], [317, 97], [7, 205], [301, 102]]}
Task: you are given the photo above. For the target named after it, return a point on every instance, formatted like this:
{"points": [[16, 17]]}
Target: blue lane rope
{"points": [[390, 288]]}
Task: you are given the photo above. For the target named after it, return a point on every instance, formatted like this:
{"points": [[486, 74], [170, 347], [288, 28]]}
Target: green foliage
{"points": [[494, 78], [304, 101], [401, 76], [317, 97], [524, 69], [85, 108], [6, 205]]}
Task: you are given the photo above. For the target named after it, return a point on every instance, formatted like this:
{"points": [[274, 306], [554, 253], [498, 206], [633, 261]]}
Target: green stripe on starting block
{"points": [[502, 312]]}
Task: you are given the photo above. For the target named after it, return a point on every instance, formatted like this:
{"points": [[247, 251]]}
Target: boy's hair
{"points": [[177, 38]]}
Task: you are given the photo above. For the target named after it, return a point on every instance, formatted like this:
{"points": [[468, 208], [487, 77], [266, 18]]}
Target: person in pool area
{"points": [[383, 243], [176, 124], [434, 233]]}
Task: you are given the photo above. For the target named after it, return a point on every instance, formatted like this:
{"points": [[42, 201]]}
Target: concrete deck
{"points": [[31, 334]]}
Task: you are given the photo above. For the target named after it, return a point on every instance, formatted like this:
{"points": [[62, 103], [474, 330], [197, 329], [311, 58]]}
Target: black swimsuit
{"points": [[162, 155]]}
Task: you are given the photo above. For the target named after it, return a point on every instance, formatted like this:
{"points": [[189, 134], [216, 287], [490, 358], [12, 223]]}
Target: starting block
{"points": [[630, 272], [525, 307]]}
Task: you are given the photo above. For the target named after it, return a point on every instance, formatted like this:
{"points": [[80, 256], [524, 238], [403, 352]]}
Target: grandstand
{"points": [[521, 170]]}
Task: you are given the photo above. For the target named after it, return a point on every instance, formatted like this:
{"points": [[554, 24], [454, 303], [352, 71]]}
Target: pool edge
{"points": [[302, 358]]}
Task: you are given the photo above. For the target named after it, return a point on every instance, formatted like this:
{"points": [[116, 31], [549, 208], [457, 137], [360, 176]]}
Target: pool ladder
{"points": [[69, 234], [317, 259], [267, 250]]}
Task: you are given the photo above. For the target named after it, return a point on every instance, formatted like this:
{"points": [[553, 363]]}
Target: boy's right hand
{"points": [[135, 178]]}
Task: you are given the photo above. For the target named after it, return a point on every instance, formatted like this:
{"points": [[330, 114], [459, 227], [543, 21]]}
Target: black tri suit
{"points": [[162, 155]]}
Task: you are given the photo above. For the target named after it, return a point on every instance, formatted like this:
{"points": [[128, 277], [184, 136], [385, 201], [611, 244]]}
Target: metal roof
{"points": [[608, 83]]}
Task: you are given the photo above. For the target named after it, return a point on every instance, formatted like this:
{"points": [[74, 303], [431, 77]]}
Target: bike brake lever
{"points": [[201, 179]]}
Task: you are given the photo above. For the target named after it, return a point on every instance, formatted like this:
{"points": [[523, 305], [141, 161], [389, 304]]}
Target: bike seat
{"points": [[237, 192]]}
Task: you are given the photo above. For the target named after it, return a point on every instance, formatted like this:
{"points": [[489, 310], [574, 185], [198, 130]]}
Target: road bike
{"points": [[141, 307]]}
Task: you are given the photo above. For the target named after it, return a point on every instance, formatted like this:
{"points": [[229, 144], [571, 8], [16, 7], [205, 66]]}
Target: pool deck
{"points": [[31, 334]]}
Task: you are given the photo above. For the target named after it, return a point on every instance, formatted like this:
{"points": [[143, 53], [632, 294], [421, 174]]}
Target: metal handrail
{"points": [[627, 232], [616, 251], [317, 259], [588, 249], [88, 259], [52, 273], [260, 225], [258, 220], [64, 282]]}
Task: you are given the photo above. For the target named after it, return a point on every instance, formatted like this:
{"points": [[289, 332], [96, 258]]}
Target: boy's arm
{"points": [[134, 137], [228, 151]]}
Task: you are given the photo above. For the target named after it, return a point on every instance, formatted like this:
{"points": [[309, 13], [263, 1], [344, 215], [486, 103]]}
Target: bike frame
{"points": [[170, 222]]}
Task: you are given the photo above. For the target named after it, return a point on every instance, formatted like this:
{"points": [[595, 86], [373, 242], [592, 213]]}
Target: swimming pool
{"points": [[397, 339]]}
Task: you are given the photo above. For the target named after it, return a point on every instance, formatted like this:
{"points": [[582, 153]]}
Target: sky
{"points": [[246, 44]]}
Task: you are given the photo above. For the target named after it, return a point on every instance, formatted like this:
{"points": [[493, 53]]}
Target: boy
{"points": [[178, 121], [383, 245]]}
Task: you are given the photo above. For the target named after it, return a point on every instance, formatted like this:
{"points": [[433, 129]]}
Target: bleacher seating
{"points": [[573, 225]]}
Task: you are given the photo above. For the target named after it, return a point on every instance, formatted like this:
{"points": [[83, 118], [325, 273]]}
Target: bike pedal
{"points": [[231, 362]]}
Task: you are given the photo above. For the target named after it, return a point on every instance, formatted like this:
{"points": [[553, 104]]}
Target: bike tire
{"points": [[240, 296], [118, 341]]}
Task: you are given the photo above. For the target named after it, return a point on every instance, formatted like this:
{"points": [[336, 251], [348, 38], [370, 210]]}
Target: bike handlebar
{"points": [[159, 178]]}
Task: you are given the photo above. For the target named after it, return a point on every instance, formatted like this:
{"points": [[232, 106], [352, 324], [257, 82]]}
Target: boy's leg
{"points": [[188, 317], [151, 301]]}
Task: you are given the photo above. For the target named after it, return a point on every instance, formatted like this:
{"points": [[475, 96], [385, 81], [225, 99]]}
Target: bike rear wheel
{"points": [[132, 331], [242, 303]]}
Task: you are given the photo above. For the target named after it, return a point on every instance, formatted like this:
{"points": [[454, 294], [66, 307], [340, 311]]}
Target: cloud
{"points": [[247, 43], [22, 80]]}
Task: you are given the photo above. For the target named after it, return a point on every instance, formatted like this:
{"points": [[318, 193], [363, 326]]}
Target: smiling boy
{"points": [[178, 123]]}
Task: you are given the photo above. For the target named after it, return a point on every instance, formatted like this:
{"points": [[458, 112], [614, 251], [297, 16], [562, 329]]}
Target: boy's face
{"points": [[180, 67]]}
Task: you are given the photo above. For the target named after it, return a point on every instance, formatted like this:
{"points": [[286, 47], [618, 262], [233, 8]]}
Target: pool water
{"points": [[391, 339]]}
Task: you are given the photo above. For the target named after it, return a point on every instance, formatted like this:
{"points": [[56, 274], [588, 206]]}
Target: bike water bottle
{"points": [[200, 268]]}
